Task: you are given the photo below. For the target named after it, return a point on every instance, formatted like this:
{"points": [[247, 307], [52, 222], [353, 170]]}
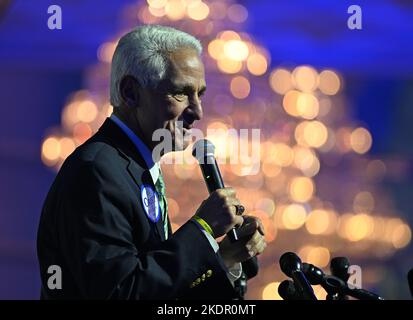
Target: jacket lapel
{"points": [[136, 166]]}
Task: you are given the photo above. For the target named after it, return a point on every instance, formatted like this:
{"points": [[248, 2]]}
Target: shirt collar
{"points": [[141, 147]]}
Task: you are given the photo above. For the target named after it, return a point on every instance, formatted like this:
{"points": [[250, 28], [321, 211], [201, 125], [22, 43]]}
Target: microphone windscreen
{"points": [[410, 279], [339, 268], [290, 262], [286, 290]]}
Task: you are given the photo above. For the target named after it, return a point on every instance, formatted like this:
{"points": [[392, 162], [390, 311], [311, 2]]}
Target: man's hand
{"points": [[219, 211], [251, 242]]}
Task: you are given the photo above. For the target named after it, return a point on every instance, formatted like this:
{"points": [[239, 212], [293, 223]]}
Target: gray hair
{"points": [[143, 53]]}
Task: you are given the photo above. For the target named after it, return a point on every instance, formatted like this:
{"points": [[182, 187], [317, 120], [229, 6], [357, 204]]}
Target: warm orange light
{"points": [[267, 205], [307, 106], [311, 133], [236, 50], [216, 49], [290, 102], [318, 222], [401, 236], [87, 111], [301, 189], [229, 35], [329, 82], [305, 78], [51, 149], [257, 64], [358, 227], [281, 81], [293, 216], [106, 51], [270, 291], [361, 140], [157, 4], [306, 160], [198, 10], [230, 66], [319, 256], [81, 132], [157, 12], [240, 87], [280, 154], [67, 146], [175, 9]]}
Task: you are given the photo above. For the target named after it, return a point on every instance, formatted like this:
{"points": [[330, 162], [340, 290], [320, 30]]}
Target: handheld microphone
{"points": [[410, 279], [335, 287], [203, 150], [291, 265]]}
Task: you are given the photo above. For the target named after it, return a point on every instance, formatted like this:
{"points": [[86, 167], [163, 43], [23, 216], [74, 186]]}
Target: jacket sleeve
{"points": [[97, 235]]}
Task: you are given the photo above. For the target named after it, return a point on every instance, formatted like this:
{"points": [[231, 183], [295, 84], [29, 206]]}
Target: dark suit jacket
{"points": [[94, 227]]}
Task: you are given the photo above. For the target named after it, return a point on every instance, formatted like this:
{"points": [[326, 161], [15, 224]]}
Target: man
{"points": [[104, 221]]}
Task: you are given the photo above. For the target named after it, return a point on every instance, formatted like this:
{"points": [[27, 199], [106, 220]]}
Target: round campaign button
{"points": [[150, 202]]}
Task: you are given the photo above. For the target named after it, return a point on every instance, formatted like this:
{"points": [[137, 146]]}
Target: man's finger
{"points": [[247, 229], [252, 219]]}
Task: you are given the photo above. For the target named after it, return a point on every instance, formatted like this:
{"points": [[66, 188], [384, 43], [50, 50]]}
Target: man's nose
{"points": [[196, 108]]}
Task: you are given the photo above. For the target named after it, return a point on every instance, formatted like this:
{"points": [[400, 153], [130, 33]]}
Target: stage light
{"points": [[216, 49], [305, 78], [270, 291], [329, 82], [236, 50], [175, 9], [281, 81], [240, 87], [294, 216], [361, 140], [229, 66], [198, 10], [257, 64], [301, 189]]}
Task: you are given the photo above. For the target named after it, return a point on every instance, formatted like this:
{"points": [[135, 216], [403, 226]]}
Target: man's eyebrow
{"points": [[187, 88]]}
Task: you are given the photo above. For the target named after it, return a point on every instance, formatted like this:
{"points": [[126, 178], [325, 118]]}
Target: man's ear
{"points": [[129, 91]]}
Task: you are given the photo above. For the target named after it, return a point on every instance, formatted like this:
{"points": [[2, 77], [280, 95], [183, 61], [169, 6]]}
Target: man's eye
{"points": [[179, 96]]}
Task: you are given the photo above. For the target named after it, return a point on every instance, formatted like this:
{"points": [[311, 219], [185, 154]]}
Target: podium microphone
{"points": [[290, 264], [410, 279], [287, 291], [339, 268], [334, 286]]}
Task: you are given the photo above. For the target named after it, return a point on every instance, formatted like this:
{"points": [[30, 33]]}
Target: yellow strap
{"points": [[204, 225]]}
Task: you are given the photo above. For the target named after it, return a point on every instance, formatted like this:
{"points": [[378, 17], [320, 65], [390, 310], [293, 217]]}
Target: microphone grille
{"points": [[202, 149]]}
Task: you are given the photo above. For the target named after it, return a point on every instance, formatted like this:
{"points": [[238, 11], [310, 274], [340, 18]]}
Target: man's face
{"points": [[177, 98]]}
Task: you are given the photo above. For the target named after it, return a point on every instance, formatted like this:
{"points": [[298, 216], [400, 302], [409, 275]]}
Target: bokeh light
{"points": [[361, 140], [329, 82], [301, 189], [240, 87], [281, 81]]}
